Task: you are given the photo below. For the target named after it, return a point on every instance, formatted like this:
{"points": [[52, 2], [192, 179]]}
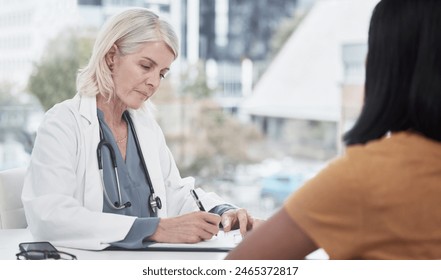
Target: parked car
{"points": [[277, 187]]}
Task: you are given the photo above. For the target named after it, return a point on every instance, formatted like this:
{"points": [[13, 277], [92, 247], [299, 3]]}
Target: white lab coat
{"points": [[63, 192]]}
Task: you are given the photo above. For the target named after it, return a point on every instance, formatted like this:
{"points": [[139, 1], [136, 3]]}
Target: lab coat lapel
{"points": [[93, 192]]}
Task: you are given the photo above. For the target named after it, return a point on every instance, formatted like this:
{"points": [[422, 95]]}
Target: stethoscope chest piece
{"points": [[155, 202]]}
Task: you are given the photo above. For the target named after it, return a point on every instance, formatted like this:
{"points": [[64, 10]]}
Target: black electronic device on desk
{"points": [[41, 251]]}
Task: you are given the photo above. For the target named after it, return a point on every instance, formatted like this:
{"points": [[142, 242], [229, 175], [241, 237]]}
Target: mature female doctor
{"points": [[101, 173]]}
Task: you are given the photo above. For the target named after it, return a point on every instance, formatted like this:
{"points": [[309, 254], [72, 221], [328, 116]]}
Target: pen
{"points": [[196, 199]]}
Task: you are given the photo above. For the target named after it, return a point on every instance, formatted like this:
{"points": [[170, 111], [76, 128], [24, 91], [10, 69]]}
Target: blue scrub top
{"points": [[134, 188]]}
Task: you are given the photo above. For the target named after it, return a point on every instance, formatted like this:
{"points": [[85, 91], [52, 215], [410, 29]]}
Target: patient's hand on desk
{"points": [[189, 228], [239, 219]]}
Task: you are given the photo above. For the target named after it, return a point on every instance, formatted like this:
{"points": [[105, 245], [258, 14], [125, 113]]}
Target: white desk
{"points": [[10, 238]]}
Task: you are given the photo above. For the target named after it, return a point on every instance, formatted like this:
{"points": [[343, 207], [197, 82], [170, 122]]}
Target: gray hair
{"points": [[128, 30]]}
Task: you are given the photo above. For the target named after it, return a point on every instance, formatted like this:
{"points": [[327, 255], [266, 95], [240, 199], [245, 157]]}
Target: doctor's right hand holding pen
{"points": [[188, 228], [202, 225]]}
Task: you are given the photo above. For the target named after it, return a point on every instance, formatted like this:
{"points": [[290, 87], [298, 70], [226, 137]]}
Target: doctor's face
{"points": [[137, 76]]}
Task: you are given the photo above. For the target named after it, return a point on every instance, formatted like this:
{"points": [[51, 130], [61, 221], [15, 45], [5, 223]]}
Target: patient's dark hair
{"points": [[403, 72]]}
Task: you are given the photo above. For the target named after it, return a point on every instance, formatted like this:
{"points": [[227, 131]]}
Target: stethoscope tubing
{"points": [[103, 143], [154, 201]]}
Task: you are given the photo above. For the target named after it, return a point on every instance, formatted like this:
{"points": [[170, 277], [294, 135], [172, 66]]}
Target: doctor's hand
{"points": [[239, 219], [188, 228]]}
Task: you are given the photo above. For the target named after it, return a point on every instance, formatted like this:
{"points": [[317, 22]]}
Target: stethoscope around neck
{"points": [[154, 201]]}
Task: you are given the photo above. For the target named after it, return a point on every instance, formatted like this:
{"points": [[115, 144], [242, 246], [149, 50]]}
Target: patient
{"points": [[381, 199]]}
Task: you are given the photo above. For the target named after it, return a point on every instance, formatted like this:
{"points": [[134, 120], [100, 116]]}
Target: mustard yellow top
{"points": [[381, 200]]}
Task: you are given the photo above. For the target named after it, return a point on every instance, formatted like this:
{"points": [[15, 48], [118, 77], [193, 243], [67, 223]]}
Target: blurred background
{"points": [[254, 106]]}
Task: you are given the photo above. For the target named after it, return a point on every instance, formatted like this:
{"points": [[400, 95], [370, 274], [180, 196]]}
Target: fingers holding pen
{"points": [[203, 225], [188, 228], [210, 223], [213, 219]]}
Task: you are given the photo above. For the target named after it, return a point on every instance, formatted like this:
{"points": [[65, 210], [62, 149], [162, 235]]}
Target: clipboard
{"points": [[223, 242]]}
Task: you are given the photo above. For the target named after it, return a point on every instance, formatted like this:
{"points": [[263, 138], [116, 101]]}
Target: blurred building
{"points": [[235, 40], [311, 93]]}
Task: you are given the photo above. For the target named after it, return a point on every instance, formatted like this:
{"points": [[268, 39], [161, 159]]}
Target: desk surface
{"points": [[10, 238]]}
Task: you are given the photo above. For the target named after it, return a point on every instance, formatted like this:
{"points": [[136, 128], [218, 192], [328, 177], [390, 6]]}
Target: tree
{"points": [[223, 142], [54, 76]]}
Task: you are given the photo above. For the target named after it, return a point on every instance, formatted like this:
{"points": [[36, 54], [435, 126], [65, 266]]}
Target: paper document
{"points": [[223, 242]]}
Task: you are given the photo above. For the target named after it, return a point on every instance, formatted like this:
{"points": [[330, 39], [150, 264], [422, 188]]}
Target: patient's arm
{"points": [[277, 238]]}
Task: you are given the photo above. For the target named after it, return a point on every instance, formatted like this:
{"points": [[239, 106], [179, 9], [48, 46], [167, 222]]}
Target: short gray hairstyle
{"points": [[128, 30]]}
